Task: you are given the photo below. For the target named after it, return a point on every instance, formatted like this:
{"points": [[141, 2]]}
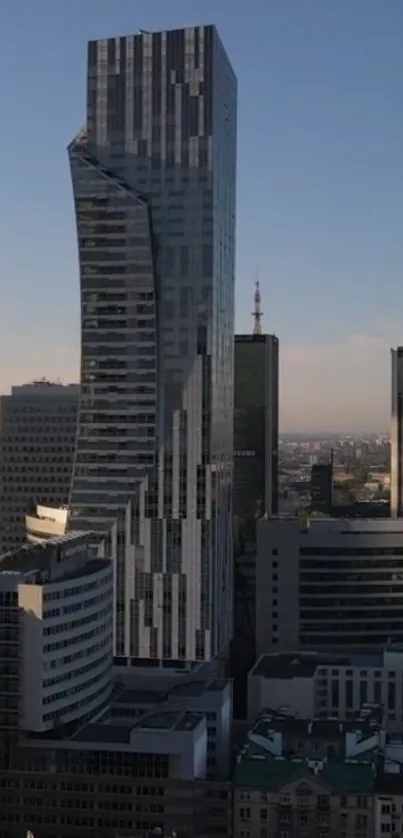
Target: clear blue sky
{"points": [[320, 198]]}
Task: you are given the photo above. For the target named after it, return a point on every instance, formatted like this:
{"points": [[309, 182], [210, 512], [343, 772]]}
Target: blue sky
{"points": [[320, 197]]}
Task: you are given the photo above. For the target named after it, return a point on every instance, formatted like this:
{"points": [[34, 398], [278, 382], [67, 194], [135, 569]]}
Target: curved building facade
{"points": [[65, 600], [46, 522], [154, 186]]}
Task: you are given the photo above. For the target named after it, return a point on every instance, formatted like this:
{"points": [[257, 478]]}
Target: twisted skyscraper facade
{"points": [[154, 177]]}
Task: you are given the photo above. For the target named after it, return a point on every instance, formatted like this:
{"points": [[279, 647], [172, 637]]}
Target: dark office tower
{"points": [[322, 487], [154, 174], [255, 426], [396, 435]]}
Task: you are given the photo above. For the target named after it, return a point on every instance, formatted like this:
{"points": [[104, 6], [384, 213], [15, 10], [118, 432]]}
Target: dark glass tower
{"points": [[154, 185], [256, 426]]}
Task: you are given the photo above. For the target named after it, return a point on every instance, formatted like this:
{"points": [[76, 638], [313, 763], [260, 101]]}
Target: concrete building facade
{"points": [[296, 778], [63, 597], [154, 187], [37, 434], [318, 685], [83, 749], [396, 434], [329, 584]]}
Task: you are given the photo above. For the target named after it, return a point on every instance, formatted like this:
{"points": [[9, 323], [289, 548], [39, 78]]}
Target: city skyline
{"points": [[323, 157]]}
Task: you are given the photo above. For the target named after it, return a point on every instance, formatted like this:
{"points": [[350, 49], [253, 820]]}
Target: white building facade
{"points": [[46, 522], [64, 597], [327, 686]]}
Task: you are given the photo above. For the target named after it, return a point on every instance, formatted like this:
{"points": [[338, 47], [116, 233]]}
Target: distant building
{"points": [[255, 487], [256, 426], [362, 509], [320, 685], [396, 435], [322, 487], [327, 584], [37, 435]]}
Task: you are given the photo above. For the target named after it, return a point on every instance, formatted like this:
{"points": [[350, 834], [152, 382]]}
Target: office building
{"points": [[322, 487], [255, 492], [85, 748], [396, 435], [153, 176], [58, 673], [329, 685], [329, 584], [37, 431], [256, 406]]}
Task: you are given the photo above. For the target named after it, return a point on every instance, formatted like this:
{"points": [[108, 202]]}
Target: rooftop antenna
{"points": [[257, 314]]}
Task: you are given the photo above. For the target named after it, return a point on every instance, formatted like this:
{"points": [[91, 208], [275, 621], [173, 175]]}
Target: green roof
{"points": [[265, 771], [269, 773], [349, 776]]}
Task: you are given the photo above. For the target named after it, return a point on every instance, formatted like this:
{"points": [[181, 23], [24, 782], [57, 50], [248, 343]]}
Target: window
{"points": [[285, 799], [335, 693], [244, 813]]}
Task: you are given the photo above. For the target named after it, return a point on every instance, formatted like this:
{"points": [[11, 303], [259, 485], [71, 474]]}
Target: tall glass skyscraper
{"points": [[154, 177]]}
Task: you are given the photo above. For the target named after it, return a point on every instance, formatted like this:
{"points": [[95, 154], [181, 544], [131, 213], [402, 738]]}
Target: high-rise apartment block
{"points": [[256, 409], [37, 432], [154, 175], [396, 435]]}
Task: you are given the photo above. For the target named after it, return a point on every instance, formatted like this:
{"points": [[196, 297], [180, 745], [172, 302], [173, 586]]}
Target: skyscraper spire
{"points": [[257, 314]]}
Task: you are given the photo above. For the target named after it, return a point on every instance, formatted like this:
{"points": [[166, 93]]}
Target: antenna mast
{"points": [[257, 314]]}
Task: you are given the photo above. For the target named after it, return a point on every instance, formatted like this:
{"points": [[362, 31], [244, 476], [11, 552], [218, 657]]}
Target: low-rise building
{"points": [[328, 685], [299, 778]]}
